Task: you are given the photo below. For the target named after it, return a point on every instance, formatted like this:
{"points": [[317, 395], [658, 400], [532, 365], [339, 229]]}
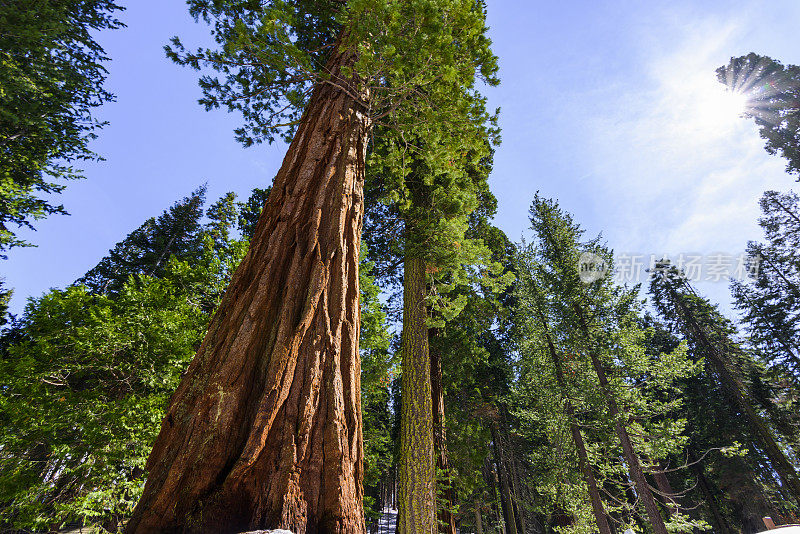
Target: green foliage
{"points": [[146, 250], [552, 307], [270, 56], [746, 483], [770, 302], [51, 79], [773, 92], [5, 298], [377, 371], [417, 61], [250, 211], [86, 375]]}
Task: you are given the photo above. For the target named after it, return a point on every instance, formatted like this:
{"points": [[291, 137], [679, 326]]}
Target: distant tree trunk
{"points": [[594, 493], [445, 518], [502, 476], [478, 521], [735, 388], [631, 458], [490, 476], [417, 470], [264, 430], [719, 523], [670, 500]]}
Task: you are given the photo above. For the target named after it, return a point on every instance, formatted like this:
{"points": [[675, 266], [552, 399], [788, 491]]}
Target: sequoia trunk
{"points": [[264, 430], [417, 470]]}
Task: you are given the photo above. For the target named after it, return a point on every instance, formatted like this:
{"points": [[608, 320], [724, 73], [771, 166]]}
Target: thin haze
{"points": [[611, 108]]}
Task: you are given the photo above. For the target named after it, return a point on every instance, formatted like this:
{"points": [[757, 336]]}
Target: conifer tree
{"points": [[773, 93], [771, 300], [602, 322], [711, 336], [327, 72], [533, 322], [432, 216], [86, 376], [52, 74], [145, 251]]}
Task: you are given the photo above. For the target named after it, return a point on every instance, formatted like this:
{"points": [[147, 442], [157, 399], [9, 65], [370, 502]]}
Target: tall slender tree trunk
{"points": [[490, 477], [478, 520], [671, 501], [445, 518], [417, 470], [735, 388], [505, 489], [264, 430], [594, 493], [631, 458], [720, 524]]}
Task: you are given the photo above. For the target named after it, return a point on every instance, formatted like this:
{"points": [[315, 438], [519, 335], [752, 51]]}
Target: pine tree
{"points": [[145, 251], [712, 337], [773, 93], [431, 219], [377, 370], [770, 302], [52, 74], [601, 322], [536, 305]]}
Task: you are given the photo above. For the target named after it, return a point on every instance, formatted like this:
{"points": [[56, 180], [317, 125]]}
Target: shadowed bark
{"points": [[264, 430], [417, 469], [446, 519]]}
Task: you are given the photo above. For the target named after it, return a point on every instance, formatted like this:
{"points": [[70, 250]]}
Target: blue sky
{"points": [[611, 107]]}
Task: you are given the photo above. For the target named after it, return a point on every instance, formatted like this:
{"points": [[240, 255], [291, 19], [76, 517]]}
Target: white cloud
{"points": [[675, 169]]}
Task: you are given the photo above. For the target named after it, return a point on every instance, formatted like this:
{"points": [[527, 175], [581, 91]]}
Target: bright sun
{"points": [[717, 107], [727, 104]]}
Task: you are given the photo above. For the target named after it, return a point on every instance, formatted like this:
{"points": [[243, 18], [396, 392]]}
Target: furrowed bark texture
{"points": [[445, 518], [264, 430], [417, 470]]}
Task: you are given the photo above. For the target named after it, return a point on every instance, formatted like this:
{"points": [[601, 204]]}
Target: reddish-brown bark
{"points": [[264, 430]]}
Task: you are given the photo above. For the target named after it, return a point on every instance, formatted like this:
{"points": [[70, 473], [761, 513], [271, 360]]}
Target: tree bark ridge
{"points": [[264, 430]]}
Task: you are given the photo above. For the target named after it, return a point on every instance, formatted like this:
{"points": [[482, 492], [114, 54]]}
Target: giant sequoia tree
{"points": [[265, 428]]}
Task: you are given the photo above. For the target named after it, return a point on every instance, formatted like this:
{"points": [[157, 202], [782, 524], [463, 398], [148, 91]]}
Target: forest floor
{"points": [[388, 521]]}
